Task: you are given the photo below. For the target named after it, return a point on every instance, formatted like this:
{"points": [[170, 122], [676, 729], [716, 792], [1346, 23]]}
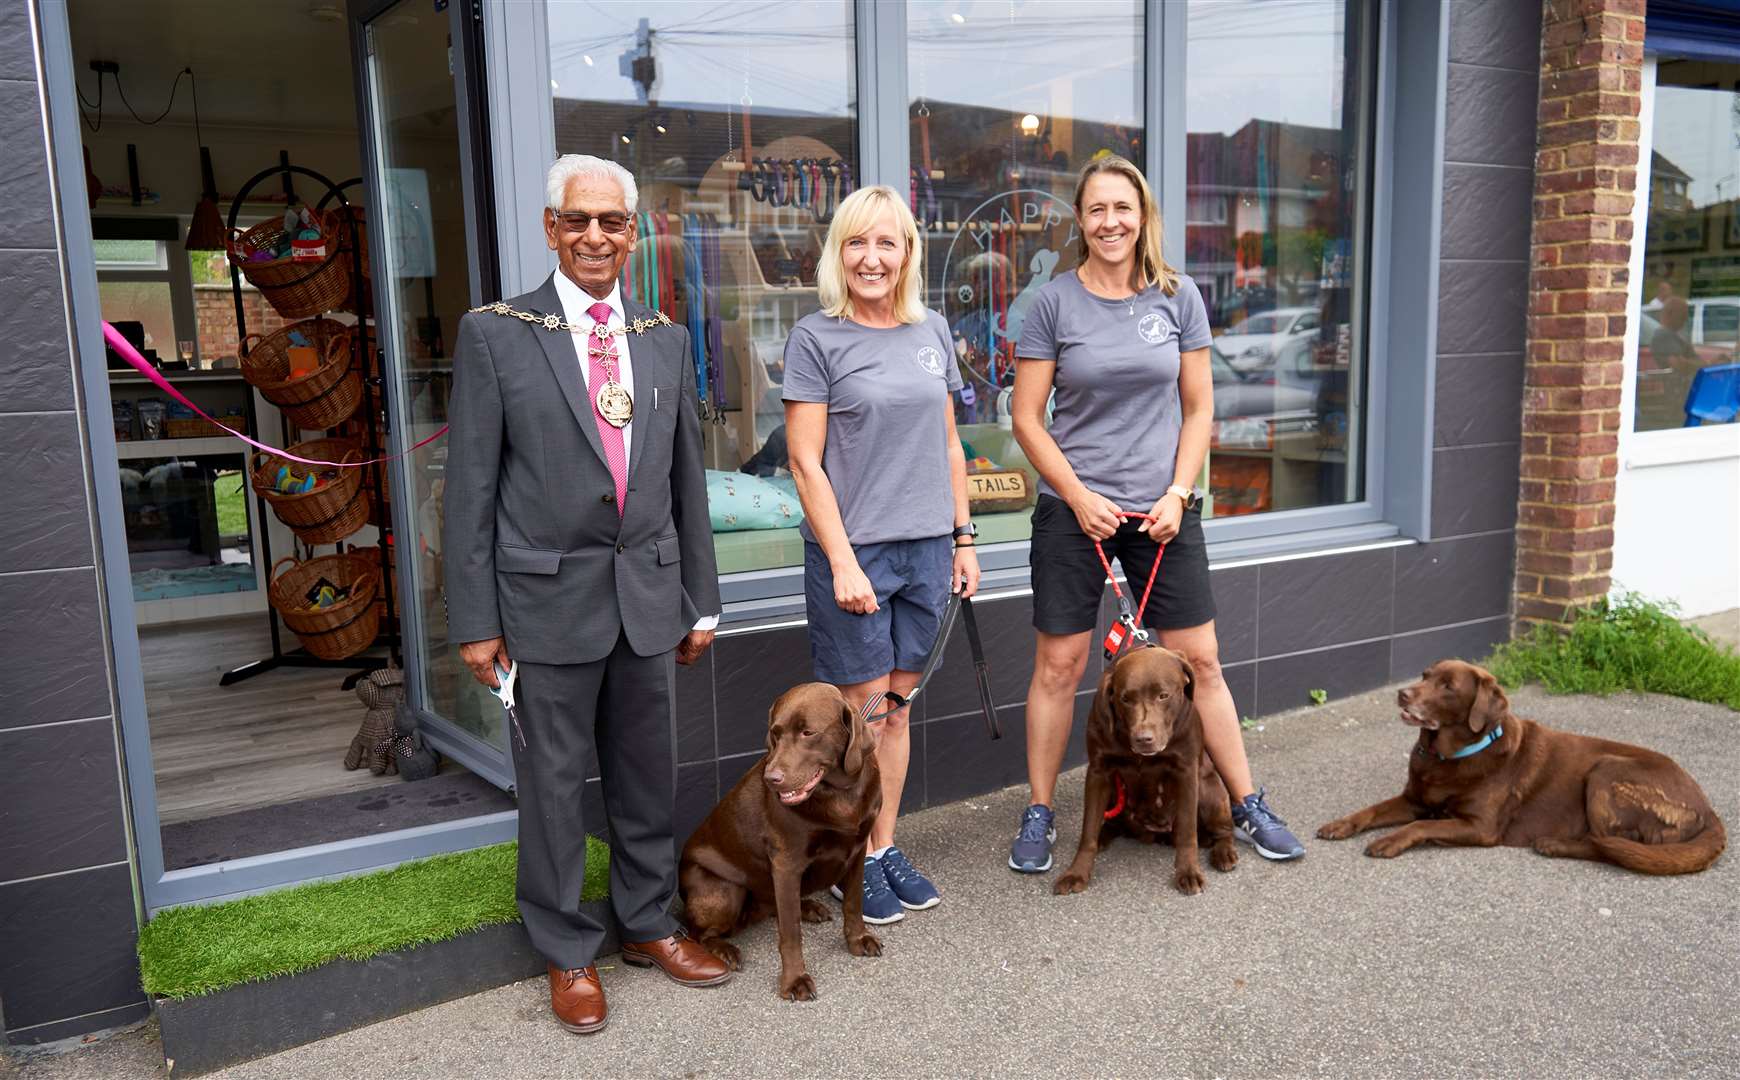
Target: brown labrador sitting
{"points": [[1144, 744], [1570, 796], [797, 822]]}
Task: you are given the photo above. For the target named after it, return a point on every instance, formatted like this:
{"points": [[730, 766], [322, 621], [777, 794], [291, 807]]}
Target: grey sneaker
{"points": [[1031, 851], [1258, 826]]}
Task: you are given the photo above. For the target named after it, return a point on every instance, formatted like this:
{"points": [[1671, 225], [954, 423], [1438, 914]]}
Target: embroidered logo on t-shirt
{"points": [[930, 358], [1154, 328]]}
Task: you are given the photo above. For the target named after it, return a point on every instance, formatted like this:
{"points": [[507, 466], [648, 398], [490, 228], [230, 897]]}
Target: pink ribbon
{"points": [[143, 367]]}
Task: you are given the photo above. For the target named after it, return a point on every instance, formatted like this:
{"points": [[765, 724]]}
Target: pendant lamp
{"points": [[206, 233]]}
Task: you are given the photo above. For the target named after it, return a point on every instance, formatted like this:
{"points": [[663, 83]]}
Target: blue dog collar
{"points": [[1476, 747]]}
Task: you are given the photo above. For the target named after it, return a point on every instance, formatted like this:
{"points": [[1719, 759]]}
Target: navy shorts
{"points": [[911, 581], [1068, 579]]}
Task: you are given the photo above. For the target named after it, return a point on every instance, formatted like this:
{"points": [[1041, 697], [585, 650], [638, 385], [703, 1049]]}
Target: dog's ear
{"points": [[1189, 673], [1490, 705], [859, 741]]}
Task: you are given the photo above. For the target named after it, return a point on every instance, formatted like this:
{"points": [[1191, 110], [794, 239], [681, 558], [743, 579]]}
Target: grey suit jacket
{"points": [[535, 551]]}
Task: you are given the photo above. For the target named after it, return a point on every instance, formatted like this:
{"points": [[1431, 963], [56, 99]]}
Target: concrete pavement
{"points": [[1442, 962]]}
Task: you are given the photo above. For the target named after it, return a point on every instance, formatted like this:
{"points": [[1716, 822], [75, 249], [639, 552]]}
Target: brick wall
{"points": [[214, 313], [1585, 176]]}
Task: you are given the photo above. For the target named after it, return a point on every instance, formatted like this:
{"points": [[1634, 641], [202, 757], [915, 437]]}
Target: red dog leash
{"points": [[1127, 628]]}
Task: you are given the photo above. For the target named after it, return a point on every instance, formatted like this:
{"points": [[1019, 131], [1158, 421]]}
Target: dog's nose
{"points": [[1145, 740], [1402, 698], [773, 776]]}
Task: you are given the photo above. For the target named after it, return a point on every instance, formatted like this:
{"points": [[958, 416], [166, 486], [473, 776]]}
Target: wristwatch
{"points": [[1190, 497], [965, 532]]}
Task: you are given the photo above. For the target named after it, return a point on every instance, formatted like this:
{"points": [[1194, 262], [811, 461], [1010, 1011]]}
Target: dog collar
{"points": [[1476, 747]]}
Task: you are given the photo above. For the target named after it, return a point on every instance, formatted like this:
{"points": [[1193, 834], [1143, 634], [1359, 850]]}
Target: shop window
{"points": [[1278, 103], [994, 161], [740, 130], [1686, 371]]}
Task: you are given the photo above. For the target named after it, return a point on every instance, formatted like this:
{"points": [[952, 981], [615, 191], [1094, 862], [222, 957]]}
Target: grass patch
{"points": [[1628, 643], [188, 951], [232, 504]]}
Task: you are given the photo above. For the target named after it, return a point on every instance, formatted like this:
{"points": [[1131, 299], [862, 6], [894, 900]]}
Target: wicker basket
{"points": [[296, 288], [323, 399], [333, 633], [330, 512]]}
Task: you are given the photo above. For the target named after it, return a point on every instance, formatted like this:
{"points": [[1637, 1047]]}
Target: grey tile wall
{"points": [[67, 910], [1489, 144]]}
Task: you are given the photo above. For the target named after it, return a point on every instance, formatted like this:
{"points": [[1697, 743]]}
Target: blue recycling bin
{"points": [[1715, 395]]}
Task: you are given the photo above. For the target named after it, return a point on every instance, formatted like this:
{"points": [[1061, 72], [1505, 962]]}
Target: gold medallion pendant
{"points": [[615, 404]]}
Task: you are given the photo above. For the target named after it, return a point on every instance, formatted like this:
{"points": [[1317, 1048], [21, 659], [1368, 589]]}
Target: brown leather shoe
{"points": [[577, 999], [681, 959]]}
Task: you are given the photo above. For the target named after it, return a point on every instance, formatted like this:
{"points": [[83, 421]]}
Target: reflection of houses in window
{"points": [[1668, 184], [1276, 185]]}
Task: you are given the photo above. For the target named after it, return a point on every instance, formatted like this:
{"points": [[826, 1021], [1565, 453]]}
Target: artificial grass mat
{"points": [[188, 951], [1626, 643]]}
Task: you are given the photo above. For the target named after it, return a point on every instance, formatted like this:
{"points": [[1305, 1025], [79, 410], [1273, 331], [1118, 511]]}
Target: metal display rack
{"points": [[376, 424]]}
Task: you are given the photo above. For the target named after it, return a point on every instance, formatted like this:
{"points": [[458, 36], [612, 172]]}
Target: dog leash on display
{"points": [[1127, 628], [987, 705]]}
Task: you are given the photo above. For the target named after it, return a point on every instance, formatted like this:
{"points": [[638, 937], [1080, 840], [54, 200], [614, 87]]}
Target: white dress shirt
{"points": [[576, 303]]}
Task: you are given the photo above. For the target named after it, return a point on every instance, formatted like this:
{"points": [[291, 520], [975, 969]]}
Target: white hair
{"points": [[568, 166]]}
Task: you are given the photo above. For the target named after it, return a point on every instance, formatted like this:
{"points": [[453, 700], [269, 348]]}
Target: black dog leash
{"points": [[981, 670]]}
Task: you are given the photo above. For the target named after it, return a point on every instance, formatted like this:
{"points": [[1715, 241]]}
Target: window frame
{"points": [[1396, 495]]}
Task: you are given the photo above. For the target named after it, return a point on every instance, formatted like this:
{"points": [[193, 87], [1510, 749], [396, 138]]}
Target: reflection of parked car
{"points": [[1238, 396], [1253, 344], [1713, 320]]}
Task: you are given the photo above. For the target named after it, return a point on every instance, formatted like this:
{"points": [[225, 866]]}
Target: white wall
{"points": [[1676, 529]]}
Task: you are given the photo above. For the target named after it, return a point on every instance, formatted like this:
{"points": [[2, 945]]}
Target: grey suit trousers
{"points": [[623, 708]]}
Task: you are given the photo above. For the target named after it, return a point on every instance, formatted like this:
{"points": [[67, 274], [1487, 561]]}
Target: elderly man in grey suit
{"points": [[579, 549]]}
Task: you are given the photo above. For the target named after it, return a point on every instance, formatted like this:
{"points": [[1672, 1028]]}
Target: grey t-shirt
{"points": [[887, 393], [1116, 416]]}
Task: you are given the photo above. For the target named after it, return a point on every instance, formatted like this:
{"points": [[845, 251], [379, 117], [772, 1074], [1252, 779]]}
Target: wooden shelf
{"points": [[154, 448]]}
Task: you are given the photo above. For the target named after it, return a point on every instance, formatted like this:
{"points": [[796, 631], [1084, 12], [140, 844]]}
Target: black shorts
{"points": [[1068, 579]]}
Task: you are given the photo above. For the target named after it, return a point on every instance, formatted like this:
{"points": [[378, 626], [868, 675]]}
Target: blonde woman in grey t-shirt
{"points": [[1123, 342], [870, 429]]}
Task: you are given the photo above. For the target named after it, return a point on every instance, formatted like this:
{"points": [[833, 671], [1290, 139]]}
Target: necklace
{"points": [[556, 322], [615, 403]]}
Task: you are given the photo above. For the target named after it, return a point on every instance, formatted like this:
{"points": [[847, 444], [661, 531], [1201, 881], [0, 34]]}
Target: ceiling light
{"points": [[957, 18], [586, 58], [660, 128], [625, 139], [329, 13], [1030, 124]]}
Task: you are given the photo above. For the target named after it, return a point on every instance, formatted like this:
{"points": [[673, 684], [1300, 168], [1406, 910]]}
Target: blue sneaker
{"points": [[1031, 851], [881, 906], [1257, 825], [913, 889]]}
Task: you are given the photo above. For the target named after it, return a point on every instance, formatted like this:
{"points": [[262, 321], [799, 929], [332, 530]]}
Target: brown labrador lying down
{"points": [[1144, 744], [1570, 796], [797, 822]]}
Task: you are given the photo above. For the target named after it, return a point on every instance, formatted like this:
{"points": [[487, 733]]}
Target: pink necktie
{"points": [[600, 344]]}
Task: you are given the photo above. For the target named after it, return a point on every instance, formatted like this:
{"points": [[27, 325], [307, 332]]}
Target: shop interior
{"points": [[266, 593]]}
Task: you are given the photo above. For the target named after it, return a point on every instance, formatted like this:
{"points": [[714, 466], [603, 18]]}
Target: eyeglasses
{"points": [[577, 221]]}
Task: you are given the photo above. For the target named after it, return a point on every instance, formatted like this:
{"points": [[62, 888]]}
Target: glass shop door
{"points": [[431, 256]]}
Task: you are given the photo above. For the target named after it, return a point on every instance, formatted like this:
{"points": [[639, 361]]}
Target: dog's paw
{"points": [[865, 944], [1189, 880], [1223, 856], [798, 988], [815, 911], [1071, 882], [1386, 847], [730, 955], [1336, 830]]}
